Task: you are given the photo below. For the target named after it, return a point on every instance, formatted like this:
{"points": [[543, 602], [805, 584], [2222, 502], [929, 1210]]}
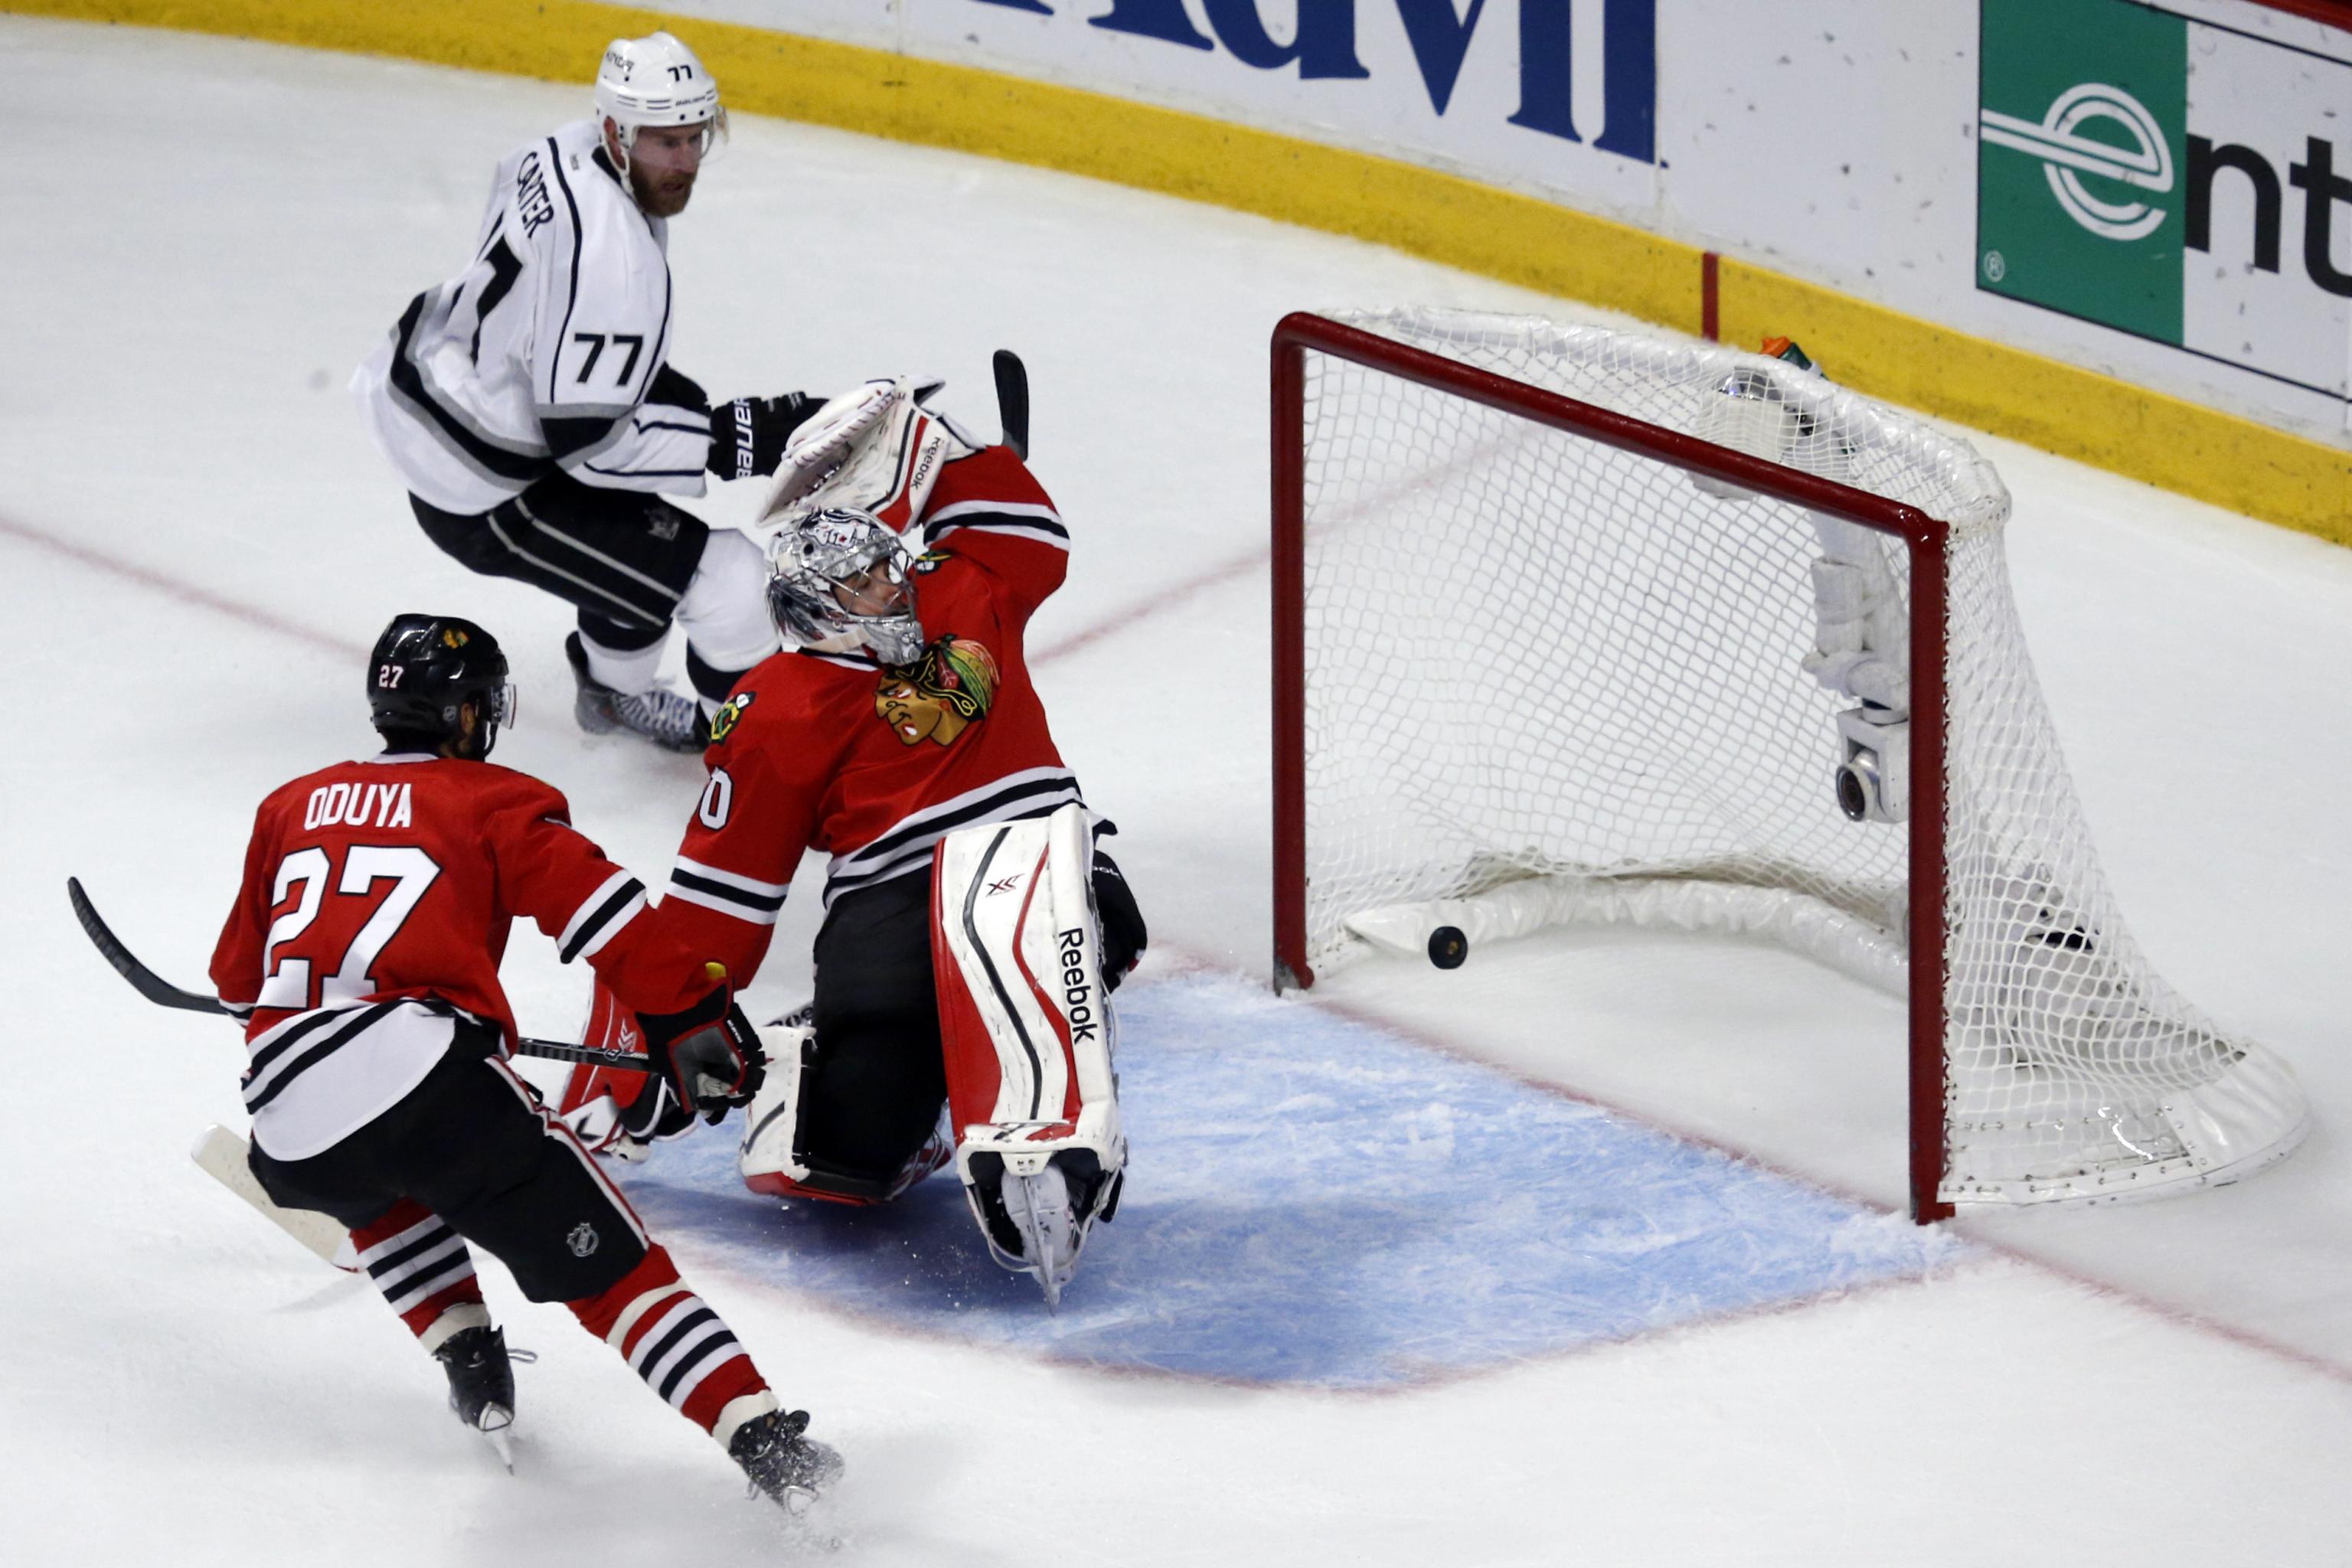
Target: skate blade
{"points": [[496, 1420], [1039, 1207]]}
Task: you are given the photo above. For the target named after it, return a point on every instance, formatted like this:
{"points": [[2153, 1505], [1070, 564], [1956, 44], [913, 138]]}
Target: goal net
{"points": [[1582, 627]]}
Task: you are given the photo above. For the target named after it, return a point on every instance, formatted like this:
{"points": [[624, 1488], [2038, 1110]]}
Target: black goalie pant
{"points": [[622, 557], [874, 1091], [472, 1144]]}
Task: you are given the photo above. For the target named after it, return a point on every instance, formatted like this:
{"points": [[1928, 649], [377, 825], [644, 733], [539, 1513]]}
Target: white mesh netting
{"points": [[1550, 680]]}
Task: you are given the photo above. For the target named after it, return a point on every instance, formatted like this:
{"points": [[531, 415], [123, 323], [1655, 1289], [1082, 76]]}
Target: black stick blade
{"points": [[1012, 401], [164, 994], [143, 980]]}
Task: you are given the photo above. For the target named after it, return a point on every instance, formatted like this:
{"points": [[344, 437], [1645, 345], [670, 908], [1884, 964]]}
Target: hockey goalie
{"points": [[973, 928]]}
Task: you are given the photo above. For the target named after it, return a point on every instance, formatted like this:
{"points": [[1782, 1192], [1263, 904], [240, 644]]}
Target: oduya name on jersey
{"points": [[359, 806]]}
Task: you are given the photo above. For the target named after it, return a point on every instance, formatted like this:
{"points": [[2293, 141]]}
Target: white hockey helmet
{"points": [[825, 569], [657, 80]]}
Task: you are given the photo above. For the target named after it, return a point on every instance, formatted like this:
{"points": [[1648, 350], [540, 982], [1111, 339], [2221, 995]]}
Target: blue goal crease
{"points": [[1313, 1202]]}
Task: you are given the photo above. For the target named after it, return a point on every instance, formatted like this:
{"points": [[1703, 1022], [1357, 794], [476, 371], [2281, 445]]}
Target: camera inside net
{"points": [[1874, 771]]}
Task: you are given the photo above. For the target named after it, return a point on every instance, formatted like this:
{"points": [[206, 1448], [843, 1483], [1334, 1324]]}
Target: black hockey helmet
{"points": [[425, 669]]}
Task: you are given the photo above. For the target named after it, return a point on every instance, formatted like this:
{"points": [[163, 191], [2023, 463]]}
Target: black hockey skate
{"points": [[788, 1467], [670, 721], [481, 1384]]}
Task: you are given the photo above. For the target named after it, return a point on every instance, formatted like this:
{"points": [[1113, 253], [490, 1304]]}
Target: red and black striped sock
{"points": [[681, 1348]]}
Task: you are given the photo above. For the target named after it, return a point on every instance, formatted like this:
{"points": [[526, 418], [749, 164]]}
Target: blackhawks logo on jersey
{"points": [[935, 697], [723, 723]]}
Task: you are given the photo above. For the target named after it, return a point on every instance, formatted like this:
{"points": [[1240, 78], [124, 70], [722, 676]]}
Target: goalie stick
{"points": [[1012, 401], [222, 1154], [164, 994]]}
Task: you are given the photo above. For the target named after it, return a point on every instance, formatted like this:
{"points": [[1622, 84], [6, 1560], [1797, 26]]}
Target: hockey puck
{"points": [[1448, 947]]}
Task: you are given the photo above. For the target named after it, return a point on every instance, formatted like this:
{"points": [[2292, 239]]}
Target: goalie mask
{"points": [[840, 579]]}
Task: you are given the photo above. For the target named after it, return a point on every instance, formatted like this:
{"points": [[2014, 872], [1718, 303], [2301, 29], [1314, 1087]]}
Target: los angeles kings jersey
{"points": [[873, 763], [545, 353], [374, 910]]}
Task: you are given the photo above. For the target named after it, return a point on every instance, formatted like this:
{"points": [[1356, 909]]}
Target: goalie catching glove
{"points": [[878, 449], [748, 436]]}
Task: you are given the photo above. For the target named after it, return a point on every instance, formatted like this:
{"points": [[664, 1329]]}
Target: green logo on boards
{"points": [[2173, 179], [2081, 136]]}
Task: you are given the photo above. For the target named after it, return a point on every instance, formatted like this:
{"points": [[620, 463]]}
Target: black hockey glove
{"points": [[707, 1057], [654, 1113], [1124, 937], [748, 436]]}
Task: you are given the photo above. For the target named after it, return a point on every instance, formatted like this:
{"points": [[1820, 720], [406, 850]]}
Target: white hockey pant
{"points": [[723, 612]]}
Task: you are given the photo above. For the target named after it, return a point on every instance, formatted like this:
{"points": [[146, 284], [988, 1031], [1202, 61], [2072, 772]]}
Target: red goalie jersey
{"points": [[377, 904], [874, 765]]}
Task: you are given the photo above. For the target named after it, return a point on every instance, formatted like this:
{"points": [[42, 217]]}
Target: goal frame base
{"points": [[1925, 538]]}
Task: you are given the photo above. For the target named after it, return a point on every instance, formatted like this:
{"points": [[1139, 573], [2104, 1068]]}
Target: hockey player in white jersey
{"points": [[530, 408]]}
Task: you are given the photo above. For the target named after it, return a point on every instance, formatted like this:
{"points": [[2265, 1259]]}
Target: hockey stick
{"points": [[221, 1154], [143, 980], [164, 994], [1012, 401]]}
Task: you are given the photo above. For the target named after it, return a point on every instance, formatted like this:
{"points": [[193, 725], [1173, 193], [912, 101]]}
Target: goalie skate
{"points": [[1029, 1038], [1034, 1218]]}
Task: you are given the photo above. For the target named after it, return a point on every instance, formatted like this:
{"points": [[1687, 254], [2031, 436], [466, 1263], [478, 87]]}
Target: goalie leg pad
{"points": [[1028, 1038], [769, 1156], [610, 1026], [773, 1156]]}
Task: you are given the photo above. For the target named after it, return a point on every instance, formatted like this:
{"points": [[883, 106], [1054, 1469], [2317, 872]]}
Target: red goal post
{"points": [[2108, 1007]]}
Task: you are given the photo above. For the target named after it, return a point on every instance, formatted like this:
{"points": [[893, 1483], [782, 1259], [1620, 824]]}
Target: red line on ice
{"points": [[1183, 593], [1167, 598], [173, 589]]}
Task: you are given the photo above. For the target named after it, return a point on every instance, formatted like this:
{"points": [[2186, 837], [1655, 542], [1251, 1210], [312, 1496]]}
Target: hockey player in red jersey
{"points": [[363, 952], [905, 712]]}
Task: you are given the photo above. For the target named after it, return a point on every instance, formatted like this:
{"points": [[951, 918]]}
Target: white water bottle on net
{"points": [[1575, 627]]}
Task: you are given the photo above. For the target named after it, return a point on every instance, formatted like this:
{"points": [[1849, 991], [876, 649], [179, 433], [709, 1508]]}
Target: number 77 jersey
{"points": [[375, 908], [547, 352]]}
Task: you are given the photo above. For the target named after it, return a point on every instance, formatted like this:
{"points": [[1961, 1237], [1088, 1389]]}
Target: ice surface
{"points": [[1312, 1201], [196, 544]]}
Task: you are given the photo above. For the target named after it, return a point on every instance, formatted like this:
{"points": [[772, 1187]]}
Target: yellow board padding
{"points": [[2113, 425], [1423, 212], [2130, 430]]}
